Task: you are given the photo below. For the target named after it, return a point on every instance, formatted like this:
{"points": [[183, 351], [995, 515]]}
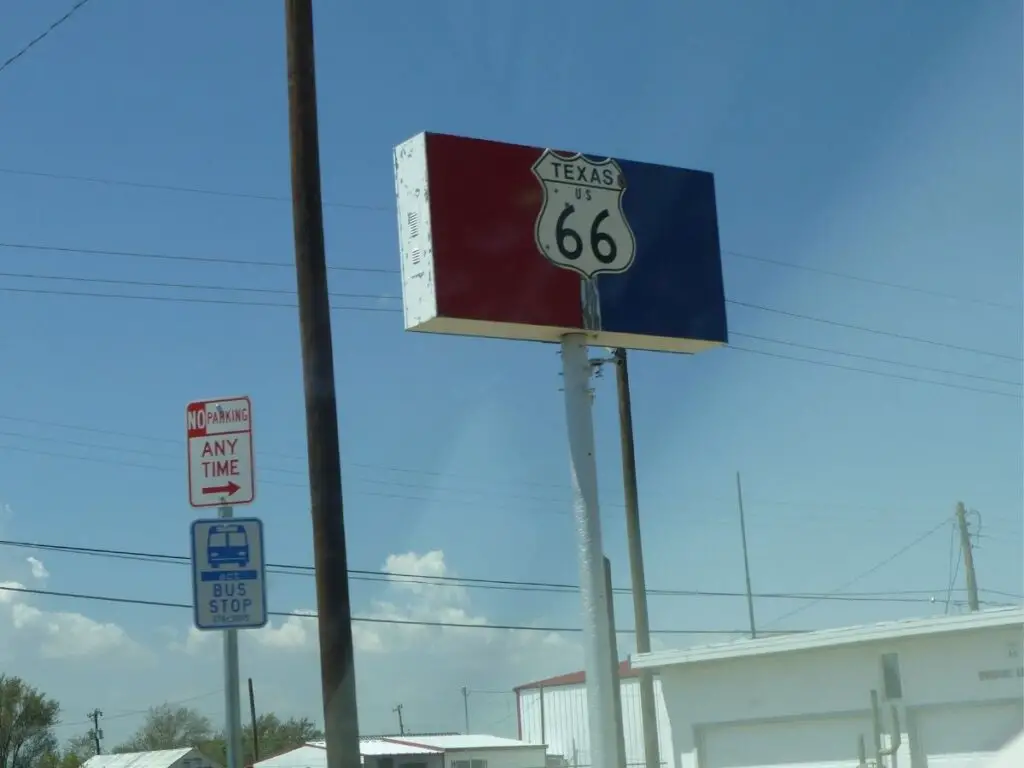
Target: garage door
{"points": [[959, 737], [822, 743]]}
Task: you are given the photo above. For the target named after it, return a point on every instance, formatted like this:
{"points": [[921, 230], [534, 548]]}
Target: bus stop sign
{"points": [[229, 589]]}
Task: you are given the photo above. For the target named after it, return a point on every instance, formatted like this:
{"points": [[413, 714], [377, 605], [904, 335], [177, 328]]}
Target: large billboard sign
{"points": [[517, 242]]}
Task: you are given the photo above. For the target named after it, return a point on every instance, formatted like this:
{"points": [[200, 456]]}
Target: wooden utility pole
{"points": [[465, 707], [968, 553], [252, 719], [334, 609], [96, 733], [401, 723], [648, 702]]}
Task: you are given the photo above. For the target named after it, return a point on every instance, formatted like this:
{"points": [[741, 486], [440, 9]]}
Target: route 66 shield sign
{"points": [[581, 225]]}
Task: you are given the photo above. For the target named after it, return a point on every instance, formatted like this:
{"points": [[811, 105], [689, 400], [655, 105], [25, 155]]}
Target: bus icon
{"points": [[227, 544]]}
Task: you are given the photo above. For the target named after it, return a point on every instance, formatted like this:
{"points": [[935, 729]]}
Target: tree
{"points": [[27, 720], [168, 727], [77, 750], [275, 736]]}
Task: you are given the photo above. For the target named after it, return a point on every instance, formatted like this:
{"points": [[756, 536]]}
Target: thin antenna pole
{"points": [[746, 560]]}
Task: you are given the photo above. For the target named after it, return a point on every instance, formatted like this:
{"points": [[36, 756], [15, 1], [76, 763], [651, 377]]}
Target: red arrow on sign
{"points": [[228, 489]]}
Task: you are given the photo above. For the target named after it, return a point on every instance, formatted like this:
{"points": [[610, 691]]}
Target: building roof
{"points": [[436, 744], [388, 747], [161, 758], [626, 671], [832, 638], [461, 741], [307, 756]]}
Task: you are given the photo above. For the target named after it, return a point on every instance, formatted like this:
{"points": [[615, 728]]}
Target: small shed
{"points": [[185, 757], [554, 712]]}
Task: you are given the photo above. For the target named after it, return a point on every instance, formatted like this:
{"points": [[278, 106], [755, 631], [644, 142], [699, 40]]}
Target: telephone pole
{"points": [[334, 608], [401, 723], [465, 706], [252, 720], [641, 621], [96, 733], [746, 561], [968, 553]]}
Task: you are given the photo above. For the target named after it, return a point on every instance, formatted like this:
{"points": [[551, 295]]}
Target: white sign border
{"points": [[252, 453], [195, 572]]}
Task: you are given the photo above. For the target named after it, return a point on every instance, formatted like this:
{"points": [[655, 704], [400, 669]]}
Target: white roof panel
{"points": [[314, 754], [161, 758], [468, 741], [398, 746], [831, 638], [308, 756]]}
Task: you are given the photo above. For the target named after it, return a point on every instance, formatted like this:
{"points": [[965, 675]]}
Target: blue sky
{"points": [[879, 139]]}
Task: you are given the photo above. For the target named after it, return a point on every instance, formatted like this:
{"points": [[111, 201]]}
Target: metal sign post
{"points": [[600, 662], [228, 563], [232, 704]]}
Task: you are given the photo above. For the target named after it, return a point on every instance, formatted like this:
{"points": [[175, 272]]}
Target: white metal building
{"points": [[186, 757], [455, 751], [554, 712], [955, 682]]}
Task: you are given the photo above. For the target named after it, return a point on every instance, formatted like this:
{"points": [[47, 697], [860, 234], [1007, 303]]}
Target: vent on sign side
{"points": [[414, 224], [414, 256]]}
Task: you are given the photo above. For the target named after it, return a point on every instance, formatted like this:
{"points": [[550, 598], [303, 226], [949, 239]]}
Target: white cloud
{"points": [[39, 572], [407, 619], [195, 641], [294, 633], [58, 634], [417, 663]]}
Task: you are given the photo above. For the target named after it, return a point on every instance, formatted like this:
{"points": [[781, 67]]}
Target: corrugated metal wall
{"points": [[565, 728]]}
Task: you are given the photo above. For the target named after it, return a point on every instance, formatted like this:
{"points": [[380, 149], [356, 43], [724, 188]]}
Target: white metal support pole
{"points": [[576, 371], [232, 696]]}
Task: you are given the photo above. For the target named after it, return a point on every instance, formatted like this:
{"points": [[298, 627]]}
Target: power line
{"points": [[390, 296], [41, 36], [184, 299], [882, 374], [876, 331], [381, 270], [395, 271], [107, 181], [184, 258], [188, 286], [355, 574], [139, 711], [873, 569], [871, 281], [872, 358], [386, 483], [371, 619], [396, 311]]}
